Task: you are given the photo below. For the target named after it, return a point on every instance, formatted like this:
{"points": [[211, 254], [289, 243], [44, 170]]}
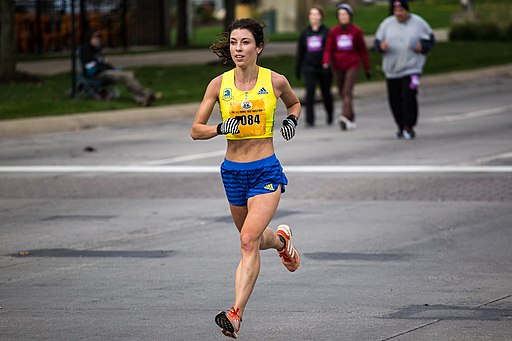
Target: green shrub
{"points": [[471, 31], [489, 32], [466, 31], [507, 35]]}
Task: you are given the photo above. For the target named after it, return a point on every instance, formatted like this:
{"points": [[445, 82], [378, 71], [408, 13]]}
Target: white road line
{"points": [[191, 157], [109, 169], [469, 115], [398, 169], [493, 158], [288, 169], [443, 119]]}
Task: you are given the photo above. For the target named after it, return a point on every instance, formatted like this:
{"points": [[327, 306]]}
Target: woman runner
{"points": [[252, 175]]}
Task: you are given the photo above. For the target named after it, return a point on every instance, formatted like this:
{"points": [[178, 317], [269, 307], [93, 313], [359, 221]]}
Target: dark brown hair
{"points": [[319, 9], [221, 48]]}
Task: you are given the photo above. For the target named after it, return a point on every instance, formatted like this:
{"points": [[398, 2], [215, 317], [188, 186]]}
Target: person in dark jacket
{"points": [[345, 50], [310, 49], [94, 65]]}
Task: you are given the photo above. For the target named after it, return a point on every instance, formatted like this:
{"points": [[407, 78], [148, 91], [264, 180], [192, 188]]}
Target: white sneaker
{"points": [[343, 122], [346, 124], [351, 125]]}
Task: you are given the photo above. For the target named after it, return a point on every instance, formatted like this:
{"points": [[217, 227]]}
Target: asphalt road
{"points": [[400, 240]]}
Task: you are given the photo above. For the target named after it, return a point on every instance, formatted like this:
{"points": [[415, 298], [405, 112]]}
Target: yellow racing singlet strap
{"points": [[255, 108]]}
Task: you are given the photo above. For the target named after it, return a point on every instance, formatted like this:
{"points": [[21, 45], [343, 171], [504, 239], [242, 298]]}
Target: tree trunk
{"points": [[182, 29], [7, 38], [229, 5]]}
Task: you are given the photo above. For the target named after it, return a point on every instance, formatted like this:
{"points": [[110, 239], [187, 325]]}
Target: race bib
{"points": [[252, 116], [314, 43], [415, 82], [344, 42]]}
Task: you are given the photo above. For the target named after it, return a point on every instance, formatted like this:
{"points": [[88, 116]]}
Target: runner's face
{"points": [[401, 14], [314, 17], [242, 47], [343, 17]]}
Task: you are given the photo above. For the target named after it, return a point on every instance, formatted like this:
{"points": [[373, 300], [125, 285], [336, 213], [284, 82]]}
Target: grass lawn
{"points": [[438, 13], [185, 84], [182, 84], [368, 18]]}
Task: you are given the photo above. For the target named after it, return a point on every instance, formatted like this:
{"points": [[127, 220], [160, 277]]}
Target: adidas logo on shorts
{"points": [[269, 187]]}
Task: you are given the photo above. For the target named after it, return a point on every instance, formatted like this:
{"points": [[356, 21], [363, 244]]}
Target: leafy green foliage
{"points": [[478, 31]]}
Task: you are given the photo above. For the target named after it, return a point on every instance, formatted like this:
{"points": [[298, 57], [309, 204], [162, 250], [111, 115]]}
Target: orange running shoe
{"points": [[289, 255], [229, 322]]}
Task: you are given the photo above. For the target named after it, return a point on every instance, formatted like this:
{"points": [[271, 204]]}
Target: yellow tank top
{"points": [[255, 108]]}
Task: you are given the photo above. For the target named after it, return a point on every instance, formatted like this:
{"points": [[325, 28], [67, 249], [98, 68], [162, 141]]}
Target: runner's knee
{"points": [[249, 242]]}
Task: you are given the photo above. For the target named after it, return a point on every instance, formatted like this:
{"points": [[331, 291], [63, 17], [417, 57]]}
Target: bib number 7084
{"points": [[249, 119]]}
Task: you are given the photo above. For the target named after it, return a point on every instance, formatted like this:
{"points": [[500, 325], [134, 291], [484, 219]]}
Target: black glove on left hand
{"points": [[229, 126], [288, 128]]}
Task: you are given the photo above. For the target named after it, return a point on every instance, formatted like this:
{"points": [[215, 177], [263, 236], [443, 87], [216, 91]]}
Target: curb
{"points": [[119, 118], [77, 122]]}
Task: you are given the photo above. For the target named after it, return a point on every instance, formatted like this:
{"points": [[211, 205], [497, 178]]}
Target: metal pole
{"points": [[124, 40], [39, 38], [84, 23], [73, 51]]}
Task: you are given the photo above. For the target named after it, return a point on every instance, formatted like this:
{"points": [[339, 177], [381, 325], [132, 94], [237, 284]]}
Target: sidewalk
{"points": [[51, 124], [200, 56]]}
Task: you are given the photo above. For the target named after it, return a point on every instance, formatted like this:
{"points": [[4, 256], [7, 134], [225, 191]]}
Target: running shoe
{"points": [[408, 134], [351, 125], [346, 124], [343, 122], [289, 255], [229, 322]]}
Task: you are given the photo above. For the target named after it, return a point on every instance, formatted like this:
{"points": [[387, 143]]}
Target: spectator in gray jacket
{"points": [[404, 39]]}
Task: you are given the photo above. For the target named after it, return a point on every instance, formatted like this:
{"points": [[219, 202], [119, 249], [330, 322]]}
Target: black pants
{"points": [[324, 78], [402, 101]]}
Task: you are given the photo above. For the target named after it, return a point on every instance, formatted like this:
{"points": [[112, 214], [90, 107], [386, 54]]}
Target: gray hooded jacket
{"points": [[400, 59]]}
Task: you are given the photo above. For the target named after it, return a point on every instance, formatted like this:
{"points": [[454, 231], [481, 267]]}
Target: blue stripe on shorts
{"points": [[243, 180]]}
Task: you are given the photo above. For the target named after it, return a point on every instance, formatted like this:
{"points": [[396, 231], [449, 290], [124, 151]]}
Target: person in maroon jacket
{"points": [[345, 50]]}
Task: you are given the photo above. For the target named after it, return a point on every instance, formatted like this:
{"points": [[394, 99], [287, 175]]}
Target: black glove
{"points": [[288, 128], [368, 75], [229, 126]]}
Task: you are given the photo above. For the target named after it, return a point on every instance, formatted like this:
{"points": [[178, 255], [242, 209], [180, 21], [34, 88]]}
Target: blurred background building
{"points": [[45, 26]]}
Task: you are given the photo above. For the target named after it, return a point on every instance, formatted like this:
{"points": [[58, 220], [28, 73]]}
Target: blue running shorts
{"points": [[243, 180]]}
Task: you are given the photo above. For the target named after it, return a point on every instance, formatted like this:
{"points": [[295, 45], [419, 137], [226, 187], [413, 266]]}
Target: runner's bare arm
{"points": [[283, 90], [200, 129]]}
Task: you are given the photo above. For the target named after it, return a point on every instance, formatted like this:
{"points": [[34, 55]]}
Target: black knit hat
{"points": [[401, 3], [346, 7]]}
